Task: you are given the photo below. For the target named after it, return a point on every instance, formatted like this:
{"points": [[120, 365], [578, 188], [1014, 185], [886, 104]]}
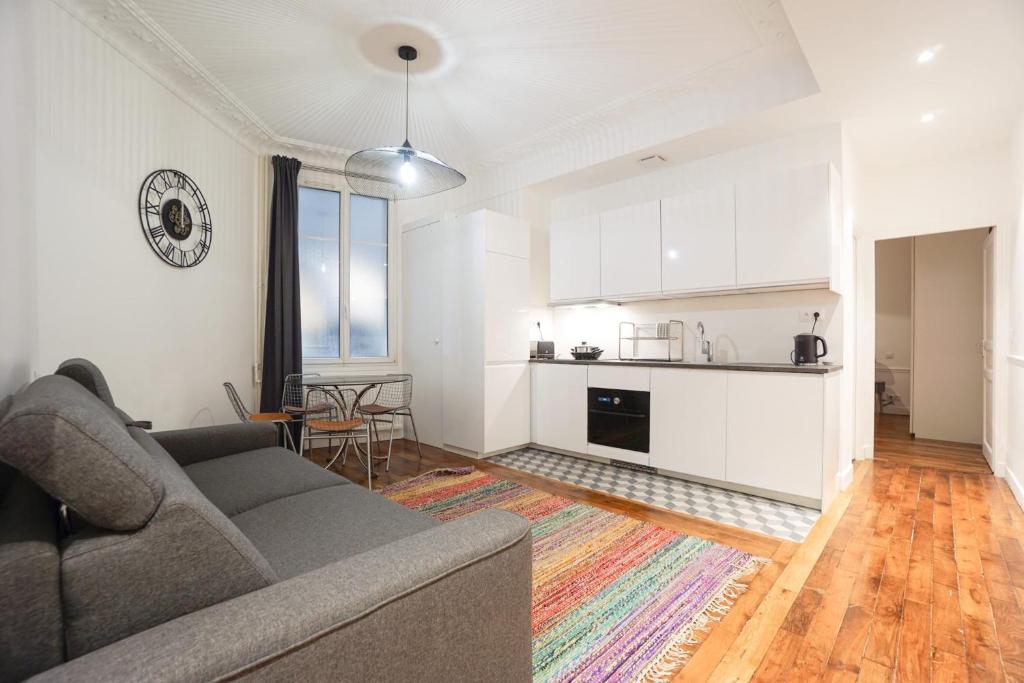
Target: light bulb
{"points": [[407, 174]]}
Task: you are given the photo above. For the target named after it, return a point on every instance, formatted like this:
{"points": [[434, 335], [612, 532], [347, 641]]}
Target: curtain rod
{"points": [[342, 172]]}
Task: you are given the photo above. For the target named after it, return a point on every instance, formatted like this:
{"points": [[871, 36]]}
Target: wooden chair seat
{"points": [[298, 410], [375, 409], [269, 417], [334, 425]]}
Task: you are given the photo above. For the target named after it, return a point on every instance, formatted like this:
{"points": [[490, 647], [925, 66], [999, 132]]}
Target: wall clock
{"points": [[175, 218]]}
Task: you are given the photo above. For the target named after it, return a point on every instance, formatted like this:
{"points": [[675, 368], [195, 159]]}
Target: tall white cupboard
{"points": [[465, 330]]}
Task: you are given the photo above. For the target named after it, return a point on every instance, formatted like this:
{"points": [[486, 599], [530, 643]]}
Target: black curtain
{"points": [[282, 334]]}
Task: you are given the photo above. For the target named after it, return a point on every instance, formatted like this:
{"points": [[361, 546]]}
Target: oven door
{"points": [[619, 419]]}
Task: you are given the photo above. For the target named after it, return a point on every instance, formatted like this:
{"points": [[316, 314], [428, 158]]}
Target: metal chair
{"points": [[294, 403], [283, 420], [391, 401], [335, 425]]}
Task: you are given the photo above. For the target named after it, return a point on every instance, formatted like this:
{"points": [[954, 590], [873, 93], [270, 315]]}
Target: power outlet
{"points": [[808, 316]]}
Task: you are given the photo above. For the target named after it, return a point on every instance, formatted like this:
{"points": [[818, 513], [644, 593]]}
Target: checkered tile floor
{"points": [[783, 520]]}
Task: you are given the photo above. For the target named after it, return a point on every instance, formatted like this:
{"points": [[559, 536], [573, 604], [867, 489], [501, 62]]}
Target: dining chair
{"points": [[282, 420], [294, 400], [392, 400], [335, 425]]}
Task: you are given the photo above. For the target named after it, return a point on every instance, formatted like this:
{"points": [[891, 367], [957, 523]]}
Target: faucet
{"points": [[705, 345]]}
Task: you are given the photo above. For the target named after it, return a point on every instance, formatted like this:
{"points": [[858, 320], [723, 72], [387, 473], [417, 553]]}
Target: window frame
{"points": [[334, 183]]}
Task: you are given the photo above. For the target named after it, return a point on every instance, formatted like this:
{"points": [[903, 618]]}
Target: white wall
{"points": [[948, 295], [893, 290], [959, 192], [749, 327], [744, 327], [165, 337], [1015, 354], [17, 283]]}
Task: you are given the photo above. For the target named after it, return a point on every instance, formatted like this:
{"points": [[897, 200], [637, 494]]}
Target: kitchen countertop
{"points": [[821, 369]]}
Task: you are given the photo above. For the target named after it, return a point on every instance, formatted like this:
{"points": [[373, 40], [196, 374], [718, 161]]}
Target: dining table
{"points": [[358, 386]]}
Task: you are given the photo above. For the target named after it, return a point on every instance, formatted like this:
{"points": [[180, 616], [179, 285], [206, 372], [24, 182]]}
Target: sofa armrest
{"points": [[188, 446], [451, 603]]}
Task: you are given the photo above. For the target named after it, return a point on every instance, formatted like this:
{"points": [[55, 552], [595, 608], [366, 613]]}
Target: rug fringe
{"points": [[677, 654], [432, 474]]}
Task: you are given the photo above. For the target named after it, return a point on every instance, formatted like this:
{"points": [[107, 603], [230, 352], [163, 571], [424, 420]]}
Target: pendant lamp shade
{"points": [[400, 172]]}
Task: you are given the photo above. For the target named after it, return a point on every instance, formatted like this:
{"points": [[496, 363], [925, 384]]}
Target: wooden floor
{"points": [[893, 444], [915, 573]]}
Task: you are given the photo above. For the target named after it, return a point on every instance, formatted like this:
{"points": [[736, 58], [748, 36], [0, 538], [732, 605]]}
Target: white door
{"points": [[631, 250], [559, 406], [688, 421], [698, 241], [783, 228], [422, 252], [988, 267], [575, 259]]}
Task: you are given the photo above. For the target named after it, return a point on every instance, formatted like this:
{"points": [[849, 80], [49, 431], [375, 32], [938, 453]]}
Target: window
{"points": [[344, 276]]}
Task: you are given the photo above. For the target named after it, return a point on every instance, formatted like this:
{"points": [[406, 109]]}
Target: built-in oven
{"points": [[619, 418]]}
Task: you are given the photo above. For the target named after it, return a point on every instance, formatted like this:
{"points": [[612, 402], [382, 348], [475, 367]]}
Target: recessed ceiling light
{"points": [[927, 117], [928, 55]]}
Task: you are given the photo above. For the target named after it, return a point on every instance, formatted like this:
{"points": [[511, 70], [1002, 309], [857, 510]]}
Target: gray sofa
{"points": [[210, 553]]}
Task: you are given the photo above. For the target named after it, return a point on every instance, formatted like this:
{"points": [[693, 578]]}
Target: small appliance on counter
{"points": [[805, 347], [586, 352], [542, 349]]}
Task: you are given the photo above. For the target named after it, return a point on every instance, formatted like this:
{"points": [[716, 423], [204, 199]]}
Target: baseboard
{"points": [[867, 452], [844, 477], [1015, 486]]}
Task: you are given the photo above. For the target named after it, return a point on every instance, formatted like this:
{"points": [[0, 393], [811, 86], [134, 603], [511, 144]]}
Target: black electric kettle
{"points": [[805, 349]]}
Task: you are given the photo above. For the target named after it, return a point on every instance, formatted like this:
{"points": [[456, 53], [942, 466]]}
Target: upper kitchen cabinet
{"points": [[698, 241], [785, 228], [631, 251], [576, 259]]}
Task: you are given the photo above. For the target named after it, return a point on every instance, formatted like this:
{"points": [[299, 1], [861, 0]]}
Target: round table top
{"points": [[351, 380]]}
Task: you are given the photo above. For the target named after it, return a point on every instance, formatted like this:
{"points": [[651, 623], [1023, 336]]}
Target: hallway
{"points": [[894, 445]]}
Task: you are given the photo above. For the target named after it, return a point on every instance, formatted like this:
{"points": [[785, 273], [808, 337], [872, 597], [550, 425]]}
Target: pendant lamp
{"points": [[400, 172]]}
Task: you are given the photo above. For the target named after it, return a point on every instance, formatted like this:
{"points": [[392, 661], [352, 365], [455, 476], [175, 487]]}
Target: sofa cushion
{"points": [[189, 556], [75, 448], [309, 530], [31, 630], [89, 376], [241, 482]]}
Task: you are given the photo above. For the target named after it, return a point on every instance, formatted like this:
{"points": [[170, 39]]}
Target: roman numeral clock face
{"points": [[175, 218]]}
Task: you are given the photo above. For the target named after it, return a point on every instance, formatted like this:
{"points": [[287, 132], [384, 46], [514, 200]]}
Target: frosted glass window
{"points": [[320, 272], [368, 277]]}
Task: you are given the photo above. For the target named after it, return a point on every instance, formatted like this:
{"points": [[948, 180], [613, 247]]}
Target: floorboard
{"points": [[913, 574]]}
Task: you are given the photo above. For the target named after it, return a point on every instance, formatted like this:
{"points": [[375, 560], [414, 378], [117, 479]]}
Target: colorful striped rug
{"points": [[614, 598]]}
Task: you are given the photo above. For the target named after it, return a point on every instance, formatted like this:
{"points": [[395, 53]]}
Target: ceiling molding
{"points": [[129, 30], [126, 26]]}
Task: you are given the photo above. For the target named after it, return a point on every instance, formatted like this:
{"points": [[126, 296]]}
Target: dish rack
{"points": [[651, 341]]}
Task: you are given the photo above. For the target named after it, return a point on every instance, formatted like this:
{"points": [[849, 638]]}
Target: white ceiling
{"points": [[493, 77]]}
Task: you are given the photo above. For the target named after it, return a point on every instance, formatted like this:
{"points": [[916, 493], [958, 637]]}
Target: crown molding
{"points": [[130, 31]]}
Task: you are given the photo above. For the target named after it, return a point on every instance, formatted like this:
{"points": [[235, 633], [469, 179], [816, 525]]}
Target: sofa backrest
{"points": [[31, 628], [151, 547]]}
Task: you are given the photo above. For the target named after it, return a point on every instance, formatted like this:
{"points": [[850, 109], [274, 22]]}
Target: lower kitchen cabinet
{"points": [[689, 421], [776, 432], [559, 406]]}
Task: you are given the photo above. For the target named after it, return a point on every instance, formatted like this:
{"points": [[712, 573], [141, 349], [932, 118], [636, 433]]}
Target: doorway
{"points": [[933, 338]]}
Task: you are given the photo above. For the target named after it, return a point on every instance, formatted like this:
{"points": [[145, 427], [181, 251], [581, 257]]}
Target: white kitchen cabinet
{"points": [[776, 428], [559, 406], [688, 421], [465, 331], [619, 377], [785, 228], [575, 251], [698, 241], [631, 250]]}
